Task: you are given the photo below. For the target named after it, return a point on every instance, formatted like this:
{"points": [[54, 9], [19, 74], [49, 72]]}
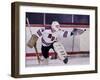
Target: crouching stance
{"points": [[49, 38]]}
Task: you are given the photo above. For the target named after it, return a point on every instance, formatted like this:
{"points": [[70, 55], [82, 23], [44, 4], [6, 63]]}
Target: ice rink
{"points": [[57, 62]]}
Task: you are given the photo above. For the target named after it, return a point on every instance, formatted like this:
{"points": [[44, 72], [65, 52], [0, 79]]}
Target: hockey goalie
{"points": [[49, 39]]}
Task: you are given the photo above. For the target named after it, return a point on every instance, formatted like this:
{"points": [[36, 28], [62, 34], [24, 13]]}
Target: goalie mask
{"points": [[55, 26]]}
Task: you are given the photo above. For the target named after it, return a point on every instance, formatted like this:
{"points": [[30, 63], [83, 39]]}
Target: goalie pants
{"points": [[45, 50]]}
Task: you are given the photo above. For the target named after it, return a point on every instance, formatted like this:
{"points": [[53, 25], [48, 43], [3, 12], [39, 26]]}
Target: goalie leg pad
{"points": [[59, 49]]}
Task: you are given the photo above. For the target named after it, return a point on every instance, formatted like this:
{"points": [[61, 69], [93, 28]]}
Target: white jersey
{"points": [[48, 37]]}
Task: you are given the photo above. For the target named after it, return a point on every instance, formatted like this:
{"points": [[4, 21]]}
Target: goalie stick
{"points": [[37, 54]]}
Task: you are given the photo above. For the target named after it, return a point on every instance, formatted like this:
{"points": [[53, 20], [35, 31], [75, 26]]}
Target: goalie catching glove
{"points": [[77, 31]]}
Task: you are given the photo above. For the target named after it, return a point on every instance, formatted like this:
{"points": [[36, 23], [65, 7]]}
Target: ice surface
{"points": [[57, 62]]}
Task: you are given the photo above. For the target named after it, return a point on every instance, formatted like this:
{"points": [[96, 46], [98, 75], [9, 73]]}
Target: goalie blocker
{"points": [[32, 42], [59, 49]]}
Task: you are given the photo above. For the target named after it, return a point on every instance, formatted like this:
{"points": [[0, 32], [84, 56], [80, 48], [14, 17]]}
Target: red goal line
{"points": [[51, 53]]}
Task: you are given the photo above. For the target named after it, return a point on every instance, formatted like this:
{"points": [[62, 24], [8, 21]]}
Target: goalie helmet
{"points": [[55, 26]]}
